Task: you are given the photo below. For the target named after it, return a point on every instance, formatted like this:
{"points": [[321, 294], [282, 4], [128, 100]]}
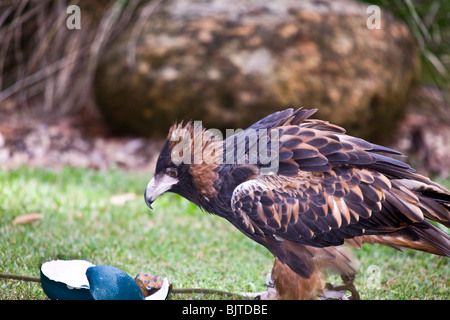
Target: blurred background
{"points": [[105, 94]]}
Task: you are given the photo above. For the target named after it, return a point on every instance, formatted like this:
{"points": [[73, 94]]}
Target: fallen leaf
{"points": [[28, 218], [120, 199]]}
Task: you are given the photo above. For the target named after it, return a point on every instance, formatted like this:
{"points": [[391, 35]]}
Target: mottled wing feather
{"points": [[320, 209], [310, 149], [330, 187], [311, 145]]}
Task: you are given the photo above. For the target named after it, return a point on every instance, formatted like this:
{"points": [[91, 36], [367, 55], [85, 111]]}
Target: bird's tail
{"points": [[430, 238], [422, 236], [434, 202], [434, 199]]}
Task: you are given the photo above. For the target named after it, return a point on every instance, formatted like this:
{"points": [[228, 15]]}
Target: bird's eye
{"points": [[172, 172]]}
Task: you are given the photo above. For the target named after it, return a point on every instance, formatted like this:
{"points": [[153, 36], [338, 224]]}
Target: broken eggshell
{"points": [[111, 283], [153, 287], [82, 280], [162, 293], [66, 279]]}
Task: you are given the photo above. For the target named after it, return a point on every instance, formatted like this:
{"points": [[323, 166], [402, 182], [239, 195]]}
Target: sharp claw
{"points": [[336, 292], [332, 292], [348, 281]]}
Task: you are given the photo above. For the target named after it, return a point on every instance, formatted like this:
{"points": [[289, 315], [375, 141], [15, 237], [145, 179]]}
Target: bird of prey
{"points": [[327, 188]]}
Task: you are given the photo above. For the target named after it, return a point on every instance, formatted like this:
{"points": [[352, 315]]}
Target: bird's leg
{"points": [[337, 292], [288, 285], [349, 285]]}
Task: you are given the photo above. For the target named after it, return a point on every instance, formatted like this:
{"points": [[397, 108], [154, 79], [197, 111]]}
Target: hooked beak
{"points": [[157, 186]]}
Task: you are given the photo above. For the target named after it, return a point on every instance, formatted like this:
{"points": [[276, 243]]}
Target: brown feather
{"points": [[290, 286], [430, 240]]}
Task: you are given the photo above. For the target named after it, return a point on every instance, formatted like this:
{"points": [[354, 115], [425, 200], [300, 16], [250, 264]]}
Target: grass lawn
{"points": [[175, 240]]}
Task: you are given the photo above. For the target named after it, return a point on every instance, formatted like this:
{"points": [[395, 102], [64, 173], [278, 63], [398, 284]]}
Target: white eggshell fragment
{"points": [[162, 293], [66, 279]]}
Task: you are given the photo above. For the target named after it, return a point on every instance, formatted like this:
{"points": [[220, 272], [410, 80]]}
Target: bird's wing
{"points": [[345, 204], [307, 145], [296, 216], [323, 208], [330, 187]]}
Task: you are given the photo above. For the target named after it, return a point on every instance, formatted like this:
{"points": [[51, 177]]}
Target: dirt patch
{"points": [[73, 141]]}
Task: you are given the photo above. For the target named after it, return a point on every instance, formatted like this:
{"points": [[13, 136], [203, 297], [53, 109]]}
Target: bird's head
{"points": [[177, 170], [168, 177]]}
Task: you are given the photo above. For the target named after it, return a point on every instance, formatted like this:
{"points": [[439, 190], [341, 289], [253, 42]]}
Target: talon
{"points": [[349, 286], [333, 292], [337, 292]]}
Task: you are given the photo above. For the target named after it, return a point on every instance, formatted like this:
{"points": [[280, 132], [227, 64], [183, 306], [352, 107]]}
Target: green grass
{"points": [[175, 240]]}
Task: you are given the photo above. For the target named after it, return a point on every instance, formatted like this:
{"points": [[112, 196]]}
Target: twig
{"points": [[38, 76], [174, 291], [19, 277], [144, 15], [205, 291]]}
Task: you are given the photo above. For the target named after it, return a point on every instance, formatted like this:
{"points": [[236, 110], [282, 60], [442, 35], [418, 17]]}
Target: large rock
{"points": [[229, 63]]}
